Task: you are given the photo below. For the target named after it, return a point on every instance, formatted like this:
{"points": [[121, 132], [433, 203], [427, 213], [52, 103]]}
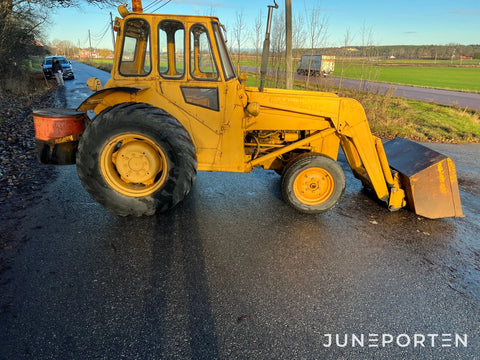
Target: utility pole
{"points": [[90, 42], [288, 49], [113, 32]]}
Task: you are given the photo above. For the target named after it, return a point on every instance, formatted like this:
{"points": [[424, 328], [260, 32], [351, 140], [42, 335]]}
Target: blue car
{"points": [[66, 65]]}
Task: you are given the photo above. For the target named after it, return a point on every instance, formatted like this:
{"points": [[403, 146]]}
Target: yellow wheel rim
{"points": [[313, 186], [133, 165]]}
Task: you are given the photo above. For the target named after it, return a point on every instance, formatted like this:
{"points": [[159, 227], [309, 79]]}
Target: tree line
{"points": [[22, 27], [431, 52]]}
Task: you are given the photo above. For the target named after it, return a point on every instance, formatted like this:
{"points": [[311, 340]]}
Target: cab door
{"points": [[192, 78]]}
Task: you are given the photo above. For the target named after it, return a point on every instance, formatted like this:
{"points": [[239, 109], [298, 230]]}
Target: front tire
{"points": [[313, 183], [136, 159]]}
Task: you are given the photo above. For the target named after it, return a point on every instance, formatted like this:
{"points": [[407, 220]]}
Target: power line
{"points": [[99, 40], [102, 32], [100, 37], [161, 6], [152, 4]]}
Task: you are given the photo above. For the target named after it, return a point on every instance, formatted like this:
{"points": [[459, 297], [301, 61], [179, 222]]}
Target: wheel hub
{"points": [[313, 186], [137, 162], [133, 165]]}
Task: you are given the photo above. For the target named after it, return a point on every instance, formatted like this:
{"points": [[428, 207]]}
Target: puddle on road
{"points": [[453, 252]]}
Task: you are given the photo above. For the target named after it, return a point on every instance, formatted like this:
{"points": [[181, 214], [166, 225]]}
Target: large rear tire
{"points": [[136, 159], [313, 183]]}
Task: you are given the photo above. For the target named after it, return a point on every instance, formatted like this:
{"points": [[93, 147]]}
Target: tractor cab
{"points": [[182, 47], [187, 50]]}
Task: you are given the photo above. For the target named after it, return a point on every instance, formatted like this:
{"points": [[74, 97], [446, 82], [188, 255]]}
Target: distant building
{"points": [[84, 54]]}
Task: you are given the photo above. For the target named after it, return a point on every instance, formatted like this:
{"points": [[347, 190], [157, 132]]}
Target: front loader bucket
{"points": [[428, 178]]}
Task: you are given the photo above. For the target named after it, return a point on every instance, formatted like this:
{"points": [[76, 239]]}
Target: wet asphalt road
{"points": [[234, 273]]}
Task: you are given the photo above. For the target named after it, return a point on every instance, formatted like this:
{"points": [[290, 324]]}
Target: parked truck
{"points": [[316, 65], [175, 105]]}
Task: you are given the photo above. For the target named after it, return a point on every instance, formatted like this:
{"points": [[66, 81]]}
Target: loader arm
{"points": [[365, 154], [358, 144]]}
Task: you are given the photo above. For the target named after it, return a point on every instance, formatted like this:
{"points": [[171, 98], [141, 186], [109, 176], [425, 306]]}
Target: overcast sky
{"points": [[387, 22]]}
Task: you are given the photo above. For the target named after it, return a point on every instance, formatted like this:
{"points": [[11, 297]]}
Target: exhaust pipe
{"points": [[137, 6], [266, 46]]}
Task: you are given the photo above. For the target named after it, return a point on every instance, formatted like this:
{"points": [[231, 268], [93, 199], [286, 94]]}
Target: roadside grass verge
{"points": [[102, 64], [23, 83], [420, 121]]}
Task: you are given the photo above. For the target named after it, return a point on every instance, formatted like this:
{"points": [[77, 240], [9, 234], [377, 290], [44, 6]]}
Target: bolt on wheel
{"points": [[136, 159], [133, 165], [313, 183], [313, 186]]}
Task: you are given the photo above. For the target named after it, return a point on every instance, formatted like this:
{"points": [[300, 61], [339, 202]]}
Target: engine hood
{"points": [[297, 101]]}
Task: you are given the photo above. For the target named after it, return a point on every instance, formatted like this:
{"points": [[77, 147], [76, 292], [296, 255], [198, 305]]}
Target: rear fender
{"points": [[97, 98]]}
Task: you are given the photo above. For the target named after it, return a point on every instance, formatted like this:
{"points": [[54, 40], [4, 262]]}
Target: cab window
{"points": [[202, 63], [135, 59], [171, 35]]}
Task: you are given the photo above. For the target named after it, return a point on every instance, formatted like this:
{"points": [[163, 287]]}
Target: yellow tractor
{"points": [[175, 105]]}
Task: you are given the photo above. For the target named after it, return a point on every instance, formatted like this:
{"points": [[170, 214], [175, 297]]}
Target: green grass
{"points": [[390, 116], [442, 77], [102, 61], [424, 121], [102, 64], [445, 122]]}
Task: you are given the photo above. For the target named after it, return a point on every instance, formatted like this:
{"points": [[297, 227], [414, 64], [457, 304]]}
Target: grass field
{"points": [[442, 77], [103, 64]]}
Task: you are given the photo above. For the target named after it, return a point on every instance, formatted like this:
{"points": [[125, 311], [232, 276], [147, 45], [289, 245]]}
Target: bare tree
{"points": [[238, 32], [317, 33], [346, 43], [258, 27], [298, 36], [367, 43], [63, 47], [278, 46], [21, 24], [20, 27]]}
